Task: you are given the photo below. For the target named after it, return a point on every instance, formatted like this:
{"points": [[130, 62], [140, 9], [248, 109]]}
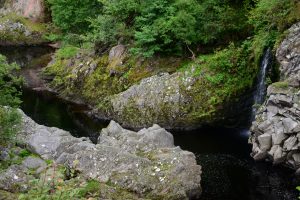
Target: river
{"points": [[229, 173]]}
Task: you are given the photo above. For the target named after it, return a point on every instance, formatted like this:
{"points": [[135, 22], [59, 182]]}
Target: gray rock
{"points": [[291, 144], [14, 179], [280, 114], [34, 163], [289, 125], [143, 162], [4, 154], [265, 142], [116, 53]]}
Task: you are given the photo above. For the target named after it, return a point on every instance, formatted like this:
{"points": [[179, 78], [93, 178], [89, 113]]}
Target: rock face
{"points": [[155, 99], [145, 163], [31, 9], [276, 130]]}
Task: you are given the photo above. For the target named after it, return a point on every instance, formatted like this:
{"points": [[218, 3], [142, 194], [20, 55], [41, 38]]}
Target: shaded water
{"points": [[228, 171]]}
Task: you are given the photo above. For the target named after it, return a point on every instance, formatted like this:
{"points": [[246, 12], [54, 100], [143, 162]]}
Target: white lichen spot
{"points": [[102, 159], [16, 177], [161, 179]]}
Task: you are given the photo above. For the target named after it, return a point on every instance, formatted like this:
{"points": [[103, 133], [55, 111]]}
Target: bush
{"points": [[9, 125], [9, 96], [72, 15], [9, 84], [66, 52], [168, 26]]}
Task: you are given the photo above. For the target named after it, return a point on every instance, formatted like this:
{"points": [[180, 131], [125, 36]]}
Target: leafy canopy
{"points": [[169, 26], [73, 15]]}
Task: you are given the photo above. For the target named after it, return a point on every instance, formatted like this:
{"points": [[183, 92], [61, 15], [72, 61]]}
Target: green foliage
{"points": [[270, 18], [9, 84], [231, 69], [9, 95], [274, 14], [73, 15], [91, 187], [166, 25], [9, 125], [281, 85], [24, 153], [67, 52]]}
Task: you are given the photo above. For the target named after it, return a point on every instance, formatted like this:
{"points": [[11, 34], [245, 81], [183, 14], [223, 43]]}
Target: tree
{"points": [[9, 84], [73, 15]]}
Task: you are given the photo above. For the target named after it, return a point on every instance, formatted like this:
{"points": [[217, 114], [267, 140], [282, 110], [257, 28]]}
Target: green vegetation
{"points": [[73, 16], [168, 26], [9, 96], [66, 52], [281, 85]]}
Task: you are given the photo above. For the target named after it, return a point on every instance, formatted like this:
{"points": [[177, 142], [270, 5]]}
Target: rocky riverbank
{"points": [[275, 134], [143, 164]]}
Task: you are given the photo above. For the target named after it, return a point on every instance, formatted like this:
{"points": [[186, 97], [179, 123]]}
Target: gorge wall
{"points": [[275, 133]]}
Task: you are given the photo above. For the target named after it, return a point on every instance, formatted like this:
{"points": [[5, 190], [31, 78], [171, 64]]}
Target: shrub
{"points": [[9, 84], [73, 15], [9, 125], [66, 52], [9, 96]]}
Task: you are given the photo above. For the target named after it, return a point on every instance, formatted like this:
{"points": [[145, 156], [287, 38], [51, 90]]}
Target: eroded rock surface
{"points": [[145, 163], [276, 130]]}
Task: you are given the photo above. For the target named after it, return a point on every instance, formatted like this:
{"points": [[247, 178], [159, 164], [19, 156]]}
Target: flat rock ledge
{"points": [[145, 163], [275, 134]]}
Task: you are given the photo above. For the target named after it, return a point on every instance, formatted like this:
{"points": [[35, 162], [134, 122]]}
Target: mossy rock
{"points": [[17, 30]]}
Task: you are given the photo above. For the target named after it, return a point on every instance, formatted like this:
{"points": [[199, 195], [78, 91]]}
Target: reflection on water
{"points": [[47, 109]]}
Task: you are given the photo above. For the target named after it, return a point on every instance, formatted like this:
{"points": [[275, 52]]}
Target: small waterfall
{"points": [[261, 88]]}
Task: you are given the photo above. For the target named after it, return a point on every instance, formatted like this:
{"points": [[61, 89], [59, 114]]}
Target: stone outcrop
{"points": [[155, 99], [20, 22], [31, 9], [15, 32], [276, 130], [145, 163]]}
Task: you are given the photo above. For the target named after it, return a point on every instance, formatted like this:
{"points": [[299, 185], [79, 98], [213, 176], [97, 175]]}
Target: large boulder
{"points": [[276, 130], [145, 163]]}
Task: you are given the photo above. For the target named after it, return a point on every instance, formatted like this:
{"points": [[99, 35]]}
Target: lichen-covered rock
{"points": [[145, 163], [157, 99], [16, 30], [276, 130], [14, 179]]}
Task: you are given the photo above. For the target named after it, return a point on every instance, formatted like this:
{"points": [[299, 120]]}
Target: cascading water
{"points": [[261, 88]]}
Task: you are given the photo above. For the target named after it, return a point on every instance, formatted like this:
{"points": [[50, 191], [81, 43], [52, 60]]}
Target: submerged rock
{"points": [[276, 130], [145, 163]]}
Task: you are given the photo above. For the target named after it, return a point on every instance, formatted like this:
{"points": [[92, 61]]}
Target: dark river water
{"points": [[229, 173]]}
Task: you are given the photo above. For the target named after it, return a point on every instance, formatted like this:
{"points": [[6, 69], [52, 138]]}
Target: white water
{"points": [[261, 88]]}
